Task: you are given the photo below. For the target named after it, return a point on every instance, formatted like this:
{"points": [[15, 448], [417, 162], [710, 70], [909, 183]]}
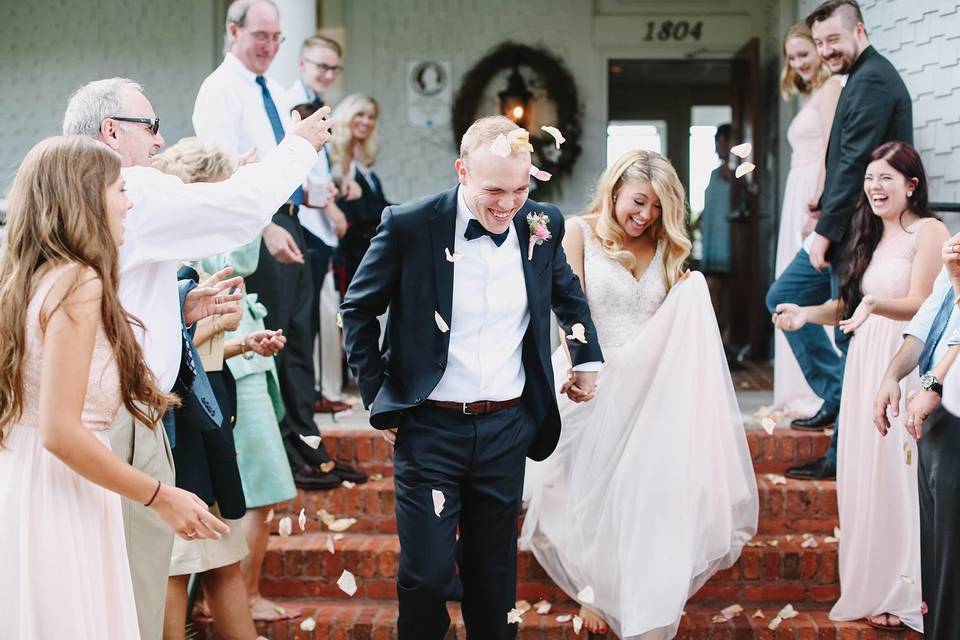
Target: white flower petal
{"points": [[742, 150], [809, 543], [500, 147], [558, 138], [776, 479], [269, 517], [514, 616], [440, 323], [769, 424], [342, 524], [339, 321], [577, 624], [438, 501], [302, 520], [337, 537], [907, 580], [329, 545], [788, 612], [326, 517], [731, 612], [564, 618], [312, 441], [347, 583], [452, 257], [308, 624], [586, 595], [579, 333], [744, 169], [346, 484], [758, 614], [285, 527], [775, 623], [542, 608], [540, 174]]}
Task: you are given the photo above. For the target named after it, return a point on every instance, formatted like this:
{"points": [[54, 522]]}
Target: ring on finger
{"points": [[191, 534]]}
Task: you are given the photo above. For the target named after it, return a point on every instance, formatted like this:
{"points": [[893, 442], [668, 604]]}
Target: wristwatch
{"points": [[929, 382]]}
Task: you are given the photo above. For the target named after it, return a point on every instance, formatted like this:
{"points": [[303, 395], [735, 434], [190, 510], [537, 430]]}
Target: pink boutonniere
{"points": [[539, 233]]}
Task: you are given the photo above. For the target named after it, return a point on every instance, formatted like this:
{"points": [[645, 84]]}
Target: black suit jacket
{"points": [[406, 270], [874, 108]]}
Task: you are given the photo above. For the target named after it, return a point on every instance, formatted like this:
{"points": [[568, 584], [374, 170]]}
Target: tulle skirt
{"points": [[651, 489]]}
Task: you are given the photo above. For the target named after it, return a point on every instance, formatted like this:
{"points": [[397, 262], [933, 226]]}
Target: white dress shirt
{"points": [[919, 327], [489, 318], [171, 221], [229, 110]]}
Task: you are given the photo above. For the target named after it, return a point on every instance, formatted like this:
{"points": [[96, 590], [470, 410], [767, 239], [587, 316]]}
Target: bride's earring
{"points": [[909, 194], [614, 199]]}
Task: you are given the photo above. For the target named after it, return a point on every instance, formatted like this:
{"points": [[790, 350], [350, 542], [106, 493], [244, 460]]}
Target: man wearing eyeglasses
{"points": [[320, 65], [237, 108]]}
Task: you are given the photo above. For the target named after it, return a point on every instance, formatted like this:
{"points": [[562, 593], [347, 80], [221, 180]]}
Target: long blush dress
{"points": [[877, 475], [64, 571], [651, 489]]}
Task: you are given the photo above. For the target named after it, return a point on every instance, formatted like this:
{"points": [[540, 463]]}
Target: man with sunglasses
{"points": [[171, 221], [239, 107]]}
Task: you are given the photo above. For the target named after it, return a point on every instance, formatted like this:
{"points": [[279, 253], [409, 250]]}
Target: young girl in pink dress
{"points": [[70, 362]]}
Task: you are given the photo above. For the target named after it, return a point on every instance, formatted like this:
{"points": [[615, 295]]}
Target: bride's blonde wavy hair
{"points": [[670, 229]]}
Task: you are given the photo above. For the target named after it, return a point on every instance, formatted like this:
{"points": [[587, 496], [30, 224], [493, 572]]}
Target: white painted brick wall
{"points": [[50, 47], [922, 39]]}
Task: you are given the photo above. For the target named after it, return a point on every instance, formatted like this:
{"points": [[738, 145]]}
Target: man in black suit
{"points": [[463, 385], [874, 108]]}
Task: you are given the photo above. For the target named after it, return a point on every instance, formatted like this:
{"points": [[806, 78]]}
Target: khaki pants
{"points": [[149, 541]]}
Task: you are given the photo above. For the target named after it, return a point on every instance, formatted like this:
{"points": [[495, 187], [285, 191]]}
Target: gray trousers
{"points": [[149, 541]]}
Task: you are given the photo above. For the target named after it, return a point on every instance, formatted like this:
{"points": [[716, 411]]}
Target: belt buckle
{"points": [[465, 412]]}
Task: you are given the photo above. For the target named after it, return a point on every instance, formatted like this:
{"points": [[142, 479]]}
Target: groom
{"points": [[463, 385]]}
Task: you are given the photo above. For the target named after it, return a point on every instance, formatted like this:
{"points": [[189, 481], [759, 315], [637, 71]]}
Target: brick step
{"points": [[779, 569], [366, 450], [358, 620], [794, 507]]}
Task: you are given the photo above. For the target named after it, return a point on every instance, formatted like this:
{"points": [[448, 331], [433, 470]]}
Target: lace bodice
{"points": [[103, 398], [619, 303]]}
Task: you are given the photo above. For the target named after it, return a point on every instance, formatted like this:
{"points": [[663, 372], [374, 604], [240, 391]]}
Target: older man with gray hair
{"points": [[171, 221]]}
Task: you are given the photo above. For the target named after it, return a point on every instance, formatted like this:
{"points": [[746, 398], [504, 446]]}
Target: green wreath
{"points": [[560, 87]]}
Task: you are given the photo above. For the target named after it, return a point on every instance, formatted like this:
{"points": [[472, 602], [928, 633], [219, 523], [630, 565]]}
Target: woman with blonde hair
{"points": [[354, 151], [648, 494], [72, 363], [805, 76]]}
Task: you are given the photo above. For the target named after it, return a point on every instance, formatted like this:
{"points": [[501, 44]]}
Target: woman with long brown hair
{"points": [[892, 256], [599, 513], [70, 362]]}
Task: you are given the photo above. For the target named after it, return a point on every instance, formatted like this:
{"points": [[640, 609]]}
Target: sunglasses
{"points": [[153, 123]]}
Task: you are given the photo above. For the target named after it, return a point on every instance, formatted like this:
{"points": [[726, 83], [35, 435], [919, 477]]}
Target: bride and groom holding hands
{"points": [[642, 495]]}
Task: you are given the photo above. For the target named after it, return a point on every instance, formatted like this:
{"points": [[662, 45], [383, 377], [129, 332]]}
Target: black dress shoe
{"points": [[314, 479], [819, 469], [349, 474], [818, 422]]}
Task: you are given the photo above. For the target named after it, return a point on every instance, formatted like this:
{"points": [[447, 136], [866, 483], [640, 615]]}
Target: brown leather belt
{"points": [[478, 408]]}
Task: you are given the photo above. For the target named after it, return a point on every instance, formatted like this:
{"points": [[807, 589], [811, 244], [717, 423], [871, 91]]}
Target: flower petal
{"points": [[514, 616], [758, 614], [788, 612], [285, 528], [342, 524], [346, 484], [326, 517], [500, 147], [742, 150], [776, 479], [586, 595], [577, 624], [744, 169], [452, 257], [438, 501], [347, 583], [578, 332], [731, 612], [523, 606], [564, 618], [339, 321], [557, 136], [540, 174], [440, 323], [769, 424], [329, 545], [308, 624], [269, 517], [542, 608], [312, 441], [302, 520]]}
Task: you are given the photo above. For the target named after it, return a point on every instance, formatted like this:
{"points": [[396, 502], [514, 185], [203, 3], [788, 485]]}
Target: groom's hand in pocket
{"points": [[390, 435], [580, 386]]}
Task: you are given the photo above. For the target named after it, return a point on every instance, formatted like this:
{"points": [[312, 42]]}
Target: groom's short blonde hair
{"points": [[484, 131]]}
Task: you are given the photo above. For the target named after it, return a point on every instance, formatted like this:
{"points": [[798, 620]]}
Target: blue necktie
{"points": [[937, 329], [277, 126], [476, 230]]}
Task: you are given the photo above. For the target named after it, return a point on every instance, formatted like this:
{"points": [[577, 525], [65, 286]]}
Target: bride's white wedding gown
{"points": [[651, 489]]}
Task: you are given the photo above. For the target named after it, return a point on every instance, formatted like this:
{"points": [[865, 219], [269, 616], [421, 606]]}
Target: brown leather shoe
{"points": [[325, 405]]}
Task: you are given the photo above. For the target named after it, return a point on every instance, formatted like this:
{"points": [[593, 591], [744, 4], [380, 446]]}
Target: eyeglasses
{"points": [[262, 37], [325, 68], [153, 123]]}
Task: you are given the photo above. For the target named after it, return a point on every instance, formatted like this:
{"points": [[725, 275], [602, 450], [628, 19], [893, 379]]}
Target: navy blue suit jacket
{"points": [[406, 271]]}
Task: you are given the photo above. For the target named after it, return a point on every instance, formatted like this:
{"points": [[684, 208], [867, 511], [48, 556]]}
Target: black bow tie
{"points": [[476, 230]]}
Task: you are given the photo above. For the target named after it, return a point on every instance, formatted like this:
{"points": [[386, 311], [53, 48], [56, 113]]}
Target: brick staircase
{"points": [[779, 566]]}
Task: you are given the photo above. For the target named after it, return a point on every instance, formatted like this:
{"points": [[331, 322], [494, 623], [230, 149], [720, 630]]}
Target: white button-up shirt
{"points": [[171, 221], [229, 110], [489, 318]]}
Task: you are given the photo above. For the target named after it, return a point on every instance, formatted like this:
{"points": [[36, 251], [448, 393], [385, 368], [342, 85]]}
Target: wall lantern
{"points": [[515, 99]]}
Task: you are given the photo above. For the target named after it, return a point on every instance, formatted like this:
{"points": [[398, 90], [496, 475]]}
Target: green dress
{"points": [[264, 469]]}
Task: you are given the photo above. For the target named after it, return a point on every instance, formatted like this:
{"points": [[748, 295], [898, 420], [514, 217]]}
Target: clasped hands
{"points": [[580, 386]]}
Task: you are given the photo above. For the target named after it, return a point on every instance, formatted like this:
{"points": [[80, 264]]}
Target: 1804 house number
{"points": [[670, 30]]}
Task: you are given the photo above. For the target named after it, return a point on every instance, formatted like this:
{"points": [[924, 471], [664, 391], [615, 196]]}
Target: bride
{"points": [[651, 489]]}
